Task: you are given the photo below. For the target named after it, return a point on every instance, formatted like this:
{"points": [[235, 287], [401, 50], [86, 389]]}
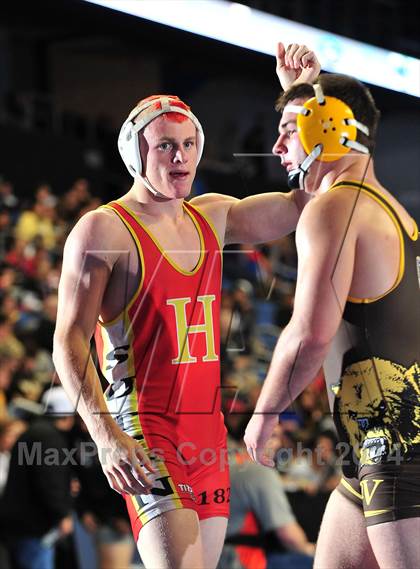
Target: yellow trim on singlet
{"points": [[371, 513], [142, 266], [209, 221], [216, 235], [158, 245], [350, 488], [387, 207], [415, 234]]}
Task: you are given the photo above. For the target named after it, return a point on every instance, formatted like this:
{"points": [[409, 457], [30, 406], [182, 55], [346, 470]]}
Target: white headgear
{"points": [[128, 143]]}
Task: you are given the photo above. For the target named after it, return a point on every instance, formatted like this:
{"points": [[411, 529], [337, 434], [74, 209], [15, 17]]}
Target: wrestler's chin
{"points": [[180, 189]]}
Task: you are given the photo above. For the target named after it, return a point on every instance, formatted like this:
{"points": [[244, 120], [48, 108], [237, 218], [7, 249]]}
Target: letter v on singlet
{"points": [[367, 496]]}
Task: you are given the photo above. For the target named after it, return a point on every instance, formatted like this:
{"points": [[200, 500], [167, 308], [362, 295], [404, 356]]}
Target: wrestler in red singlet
{"points": [[161, 357]]}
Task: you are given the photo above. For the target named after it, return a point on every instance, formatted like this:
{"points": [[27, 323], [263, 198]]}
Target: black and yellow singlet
{"points": [[376, 355]]}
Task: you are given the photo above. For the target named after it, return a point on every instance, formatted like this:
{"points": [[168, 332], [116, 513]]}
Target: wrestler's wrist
{"points": [[104, 430], [309, 549]]}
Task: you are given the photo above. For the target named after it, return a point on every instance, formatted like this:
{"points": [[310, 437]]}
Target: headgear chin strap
{"points": [[128, 143], [327, 130], [296, 177]]}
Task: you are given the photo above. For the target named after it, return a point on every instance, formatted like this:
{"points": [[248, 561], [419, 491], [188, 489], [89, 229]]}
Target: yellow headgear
{"points": [[327, 130], [326, 124]]}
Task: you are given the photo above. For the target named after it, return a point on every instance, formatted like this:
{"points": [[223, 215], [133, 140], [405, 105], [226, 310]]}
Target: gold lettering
{"points": [[367, 496], [183, 330]]}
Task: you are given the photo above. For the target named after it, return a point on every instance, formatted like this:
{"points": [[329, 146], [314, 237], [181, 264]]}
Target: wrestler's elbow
{"points": [[66, 340], [316, 342], [311, 337]]}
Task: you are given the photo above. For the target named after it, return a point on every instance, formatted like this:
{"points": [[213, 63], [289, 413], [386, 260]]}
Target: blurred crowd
{"points": [[257, 302]]}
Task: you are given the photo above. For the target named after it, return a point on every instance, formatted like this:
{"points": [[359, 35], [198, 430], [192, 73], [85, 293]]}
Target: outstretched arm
{"points": [[325, 271], [255, 219]]}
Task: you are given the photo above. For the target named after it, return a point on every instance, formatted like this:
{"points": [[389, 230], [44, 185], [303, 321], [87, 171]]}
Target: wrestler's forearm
{"points": [[262, 218], [293, 537], [77, 373], [296, 361]]}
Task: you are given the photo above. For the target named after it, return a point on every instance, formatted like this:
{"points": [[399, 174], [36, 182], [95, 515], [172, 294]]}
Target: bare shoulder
{"points": [[329, 212], [216, 207], [213, 201], [94, 226], [337, 201], [98, 234]]}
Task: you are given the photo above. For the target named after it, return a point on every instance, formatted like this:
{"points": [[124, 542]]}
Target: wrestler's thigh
{"points": [[172, 540], [212, 488], [396, 544], [213, 531], [343, 540]]}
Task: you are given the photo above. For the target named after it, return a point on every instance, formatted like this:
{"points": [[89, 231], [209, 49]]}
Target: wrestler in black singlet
{"points": [[377, 400]]}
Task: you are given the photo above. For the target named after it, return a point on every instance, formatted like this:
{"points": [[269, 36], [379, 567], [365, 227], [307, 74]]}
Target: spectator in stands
{"points": [[243, 317], [73, 201], [31, 258], [46, 326], [38, 221], [260, 511], [92, 204], [35, 507], [9, 305], [9, 344], [313, 468], [10, 431], [243, 262], [6, 229], [102, 511], [7, 279], [45, 196], [8, 366], [8, 198], [313, 411], [325, 461]]}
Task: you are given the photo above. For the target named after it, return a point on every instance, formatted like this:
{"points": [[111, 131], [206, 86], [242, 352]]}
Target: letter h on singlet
{"points": [[183, 330]]}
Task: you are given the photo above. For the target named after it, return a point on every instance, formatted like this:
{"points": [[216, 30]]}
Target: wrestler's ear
{"points": [[143, 151]]}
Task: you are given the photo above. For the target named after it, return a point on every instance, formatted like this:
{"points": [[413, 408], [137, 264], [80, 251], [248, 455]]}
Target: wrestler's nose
{"points": [[180, 156], [279, 147]]}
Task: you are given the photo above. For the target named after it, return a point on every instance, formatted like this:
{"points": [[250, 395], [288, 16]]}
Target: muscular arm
{"points": [[255, 219], [85, 274], [326, 252], [90, 254], [325, 271], [262, 218]]}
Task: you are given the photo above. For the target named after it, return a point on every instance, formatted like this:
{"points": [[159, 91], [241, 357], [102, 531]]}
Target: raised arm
{"points": [[325, 270], [296, 64], [86, 271], [265, 217]]}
